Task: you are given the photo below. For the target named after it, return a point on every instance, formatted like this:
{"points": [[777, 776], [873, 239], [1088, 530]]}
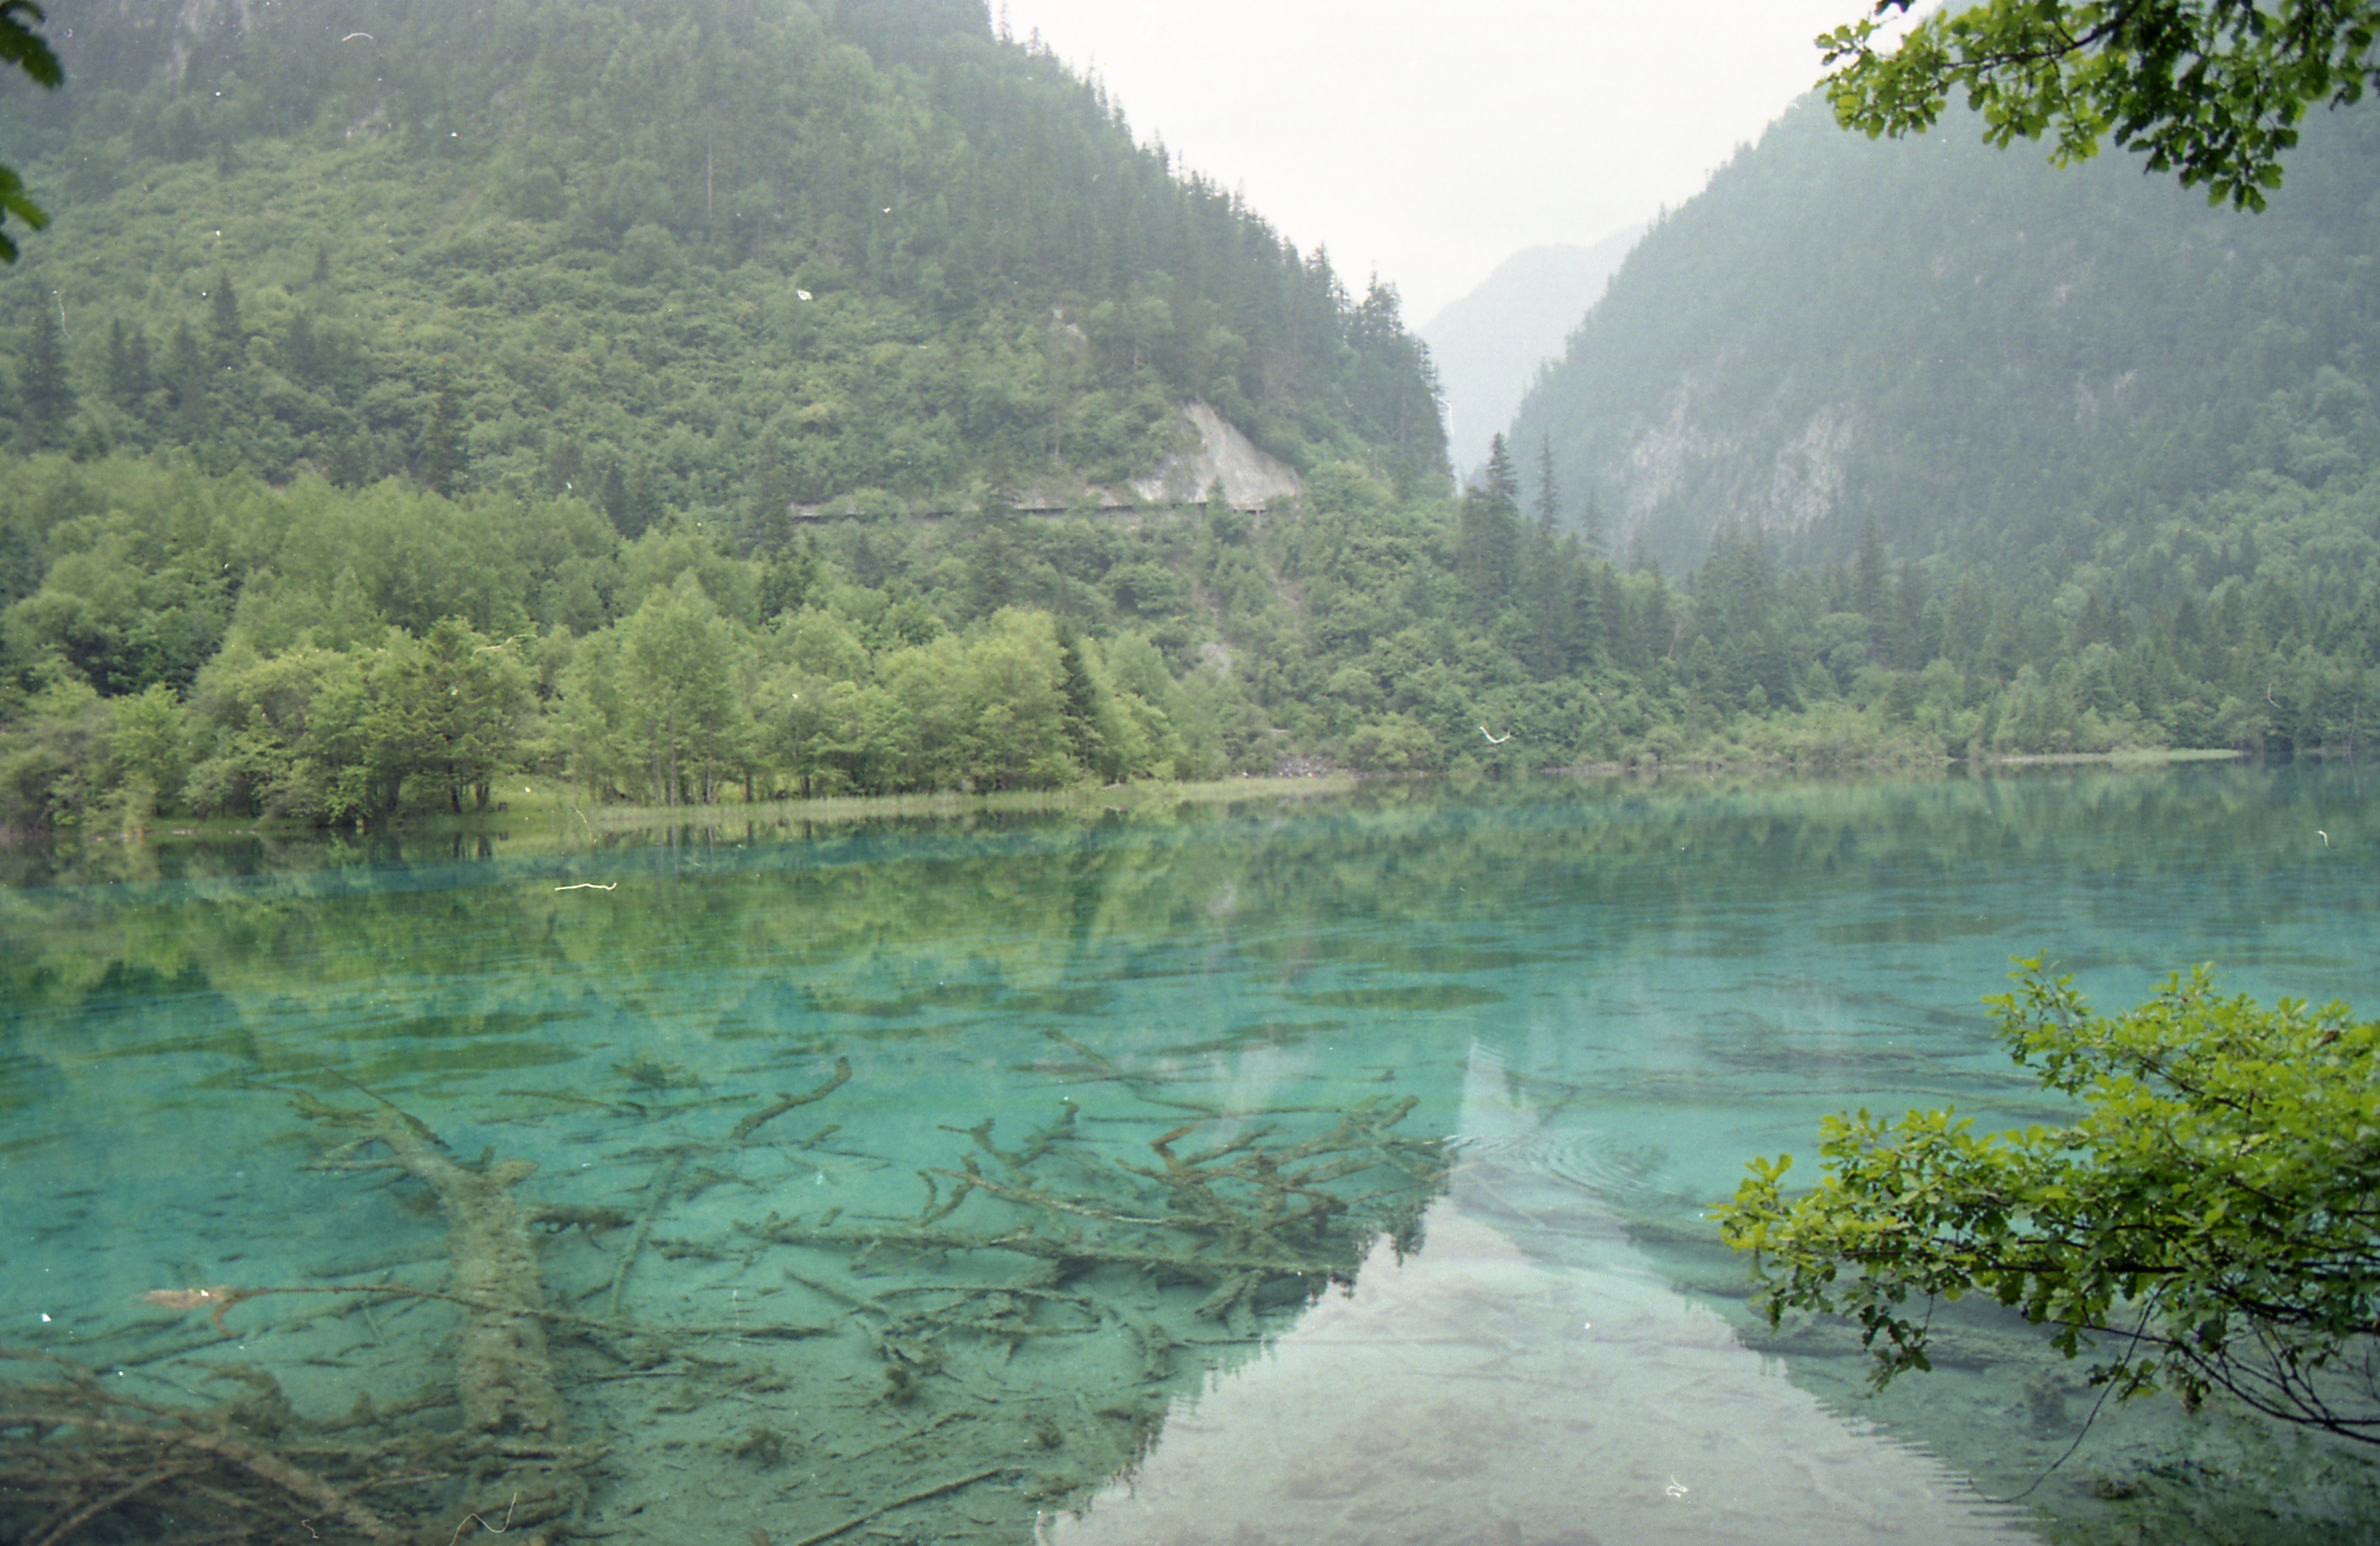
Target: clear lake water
{"points": [[1287, 1170]]}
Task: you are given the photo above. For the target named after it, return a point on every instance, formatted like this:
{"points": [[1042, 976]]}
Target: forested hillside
{"points": [[2065, 372], [206, 644], [711, 255], [536, 416]]}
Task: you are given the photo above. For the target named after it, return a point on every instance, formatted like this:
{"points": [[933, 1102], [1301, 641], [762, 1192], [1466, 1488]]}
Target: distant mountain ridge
{"points": [[1979, 354], [1489, 345]]}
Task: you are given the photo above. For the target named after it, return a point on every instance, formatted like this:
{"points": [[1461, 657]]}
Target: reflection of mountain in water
{"points": [[1527, 1376], [1592, 1160]]}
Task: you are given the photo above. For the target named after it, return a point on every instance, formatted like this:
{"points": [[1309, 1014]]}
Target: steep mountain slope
{"points": [[1489, 345], [1985, 356], [716, 254]]}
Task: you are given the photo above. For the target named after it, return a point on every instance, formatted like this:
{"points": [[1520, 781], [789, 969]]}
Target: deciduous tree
{"points": [[2206, 1223], [2212, 90], [22, 47]]}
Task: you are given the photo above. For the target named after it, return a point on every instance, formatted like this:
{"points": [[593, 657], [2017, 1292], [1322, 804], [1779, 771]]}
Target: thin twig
{"points": [[492, 1530], [919, 1496]]}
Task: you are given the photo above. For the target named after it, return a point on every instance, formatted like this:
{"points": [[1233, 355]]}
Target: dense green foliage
{"points": [[2212, 90], [2078, 403], [712, 255], [210, 645], [178, 640], [474, 445], [2210, 1215]]}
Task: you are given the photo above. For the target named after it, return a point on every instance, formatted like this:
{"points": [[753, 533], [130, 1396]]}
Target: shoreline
{"points": [[559, 810], [843, 809], [2145, 757]]}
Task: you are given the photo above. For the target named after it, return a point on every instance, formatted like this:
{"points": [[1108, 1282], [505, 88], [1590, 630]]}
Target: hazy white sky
{"points": [[1433, 140]]}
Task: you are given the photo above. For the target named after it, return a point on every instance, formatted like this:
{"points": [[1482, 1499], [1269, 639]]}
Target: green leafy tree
{"points": [[2212, 90], [150, 744], [681, 715], [460, 703], [2207, 1223], [23, 48]]}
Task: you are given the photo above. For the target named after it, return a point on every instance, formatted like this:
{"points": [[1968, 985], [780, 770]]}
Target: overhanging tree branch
{"points": [[2212, 90]]}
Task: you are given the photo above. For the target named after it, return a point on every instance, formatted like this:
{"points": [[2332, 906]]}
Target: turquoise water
{"points": [[1519, 1037]]}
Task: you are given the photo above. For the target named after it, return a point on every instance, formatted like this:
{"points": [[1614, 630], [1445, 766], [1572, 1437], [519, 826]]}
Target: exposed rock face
{"points": [[1213, 452], [1251, 479]]}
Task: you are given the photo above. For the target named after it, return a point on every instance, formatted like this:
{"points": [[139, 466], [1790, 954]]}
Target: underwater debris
{"points": [[1034, 1304], [196, 1474], [663, 1189], [77, 1450], [1244, 1217]]}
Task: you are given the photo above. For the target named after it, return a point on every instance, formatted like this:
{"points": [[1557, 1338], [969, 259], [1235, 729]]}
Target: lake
{"points": [[1316, 1170]]}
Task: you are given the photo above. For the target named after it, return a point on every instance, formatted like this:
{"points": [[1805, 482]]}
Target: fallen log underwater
{"points": [[506, 1439]]}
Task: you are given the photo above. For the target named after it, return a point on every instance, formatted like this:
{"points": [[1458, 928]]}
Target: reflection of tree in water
{"points": [[1009, 1344], [1663, 857]]}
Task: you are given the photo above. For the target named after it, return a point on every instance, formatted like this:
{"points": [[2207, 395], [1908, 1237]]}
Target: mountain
{"points": [[1984, 357], [696, 400], [1489, 345], [722, 255]]}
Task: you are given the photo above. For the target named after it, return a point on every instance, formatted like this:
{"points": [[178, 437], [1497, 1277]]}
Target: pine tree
{"points": [[992, 560], [785, 584], [1490, 530], [47, 396], [1086, 744], [302, 360], [767, 523], [1549, 507], [1868, 579], [186, 384], [614, 499], [130, 378], [231, 341], [1501, 482], [443, 460], [645, 509]]}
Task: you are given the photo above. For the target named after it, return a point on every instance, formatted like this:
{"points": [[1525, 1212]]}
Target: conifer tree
{"points": [[443, 460], [644, 504], [1490, 529], [614, 499], [1868, 579], [300, 357], [48, 398], [223, 310], [131, 376], [1549, 506]]}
